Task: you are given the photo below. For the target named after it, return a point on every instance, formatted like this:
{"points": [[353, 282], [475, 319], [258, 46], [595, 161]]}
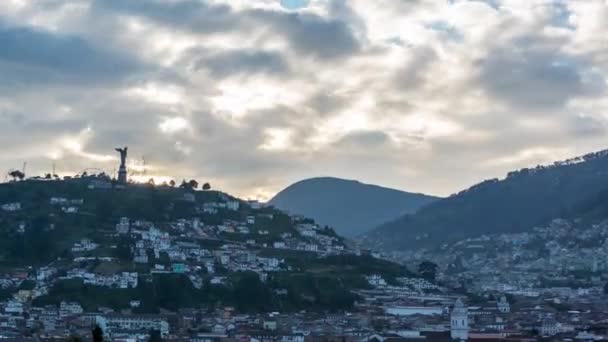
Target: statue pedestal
{"points": [[122, 175]]}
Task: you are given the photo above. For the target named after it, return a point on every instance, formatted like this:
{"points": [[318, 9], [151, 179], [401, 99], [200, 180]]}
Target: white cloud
{"points": [[163, 94], [173, 125], [237, 98]]}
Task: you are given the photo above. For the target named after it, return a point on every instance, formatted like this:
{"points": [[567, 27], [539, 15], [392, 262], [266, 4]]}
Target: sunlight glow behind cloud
{"points": [[173, 125], [256, 94], [163, 94]]}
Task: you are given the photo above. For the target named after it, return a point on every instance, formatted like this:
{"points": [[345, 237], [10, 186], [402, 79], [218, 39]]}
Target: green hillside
{"points": [[252, 257]]}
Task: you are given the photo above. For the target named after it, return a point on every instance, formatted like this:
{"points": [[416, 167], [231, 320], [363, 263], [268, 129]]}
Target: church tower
{"points": [[459, 321], [503, 305]]}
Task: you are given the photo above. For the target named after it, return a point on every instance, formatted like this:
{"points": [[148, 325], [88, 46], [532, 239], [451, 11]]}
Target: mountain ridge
{"points": [[350, 206], [522, 200]]}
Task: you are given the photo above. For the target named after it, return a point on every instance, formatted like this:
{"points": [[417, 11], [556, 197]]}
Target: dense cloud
{"points": [[192, 15], [425, 95], [229, 63], [539, 77], [30, 55]]}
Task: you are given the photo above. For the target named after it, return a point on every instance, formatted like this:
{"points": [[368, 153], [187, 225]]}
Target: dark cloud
{"points": [[368, 140], [342, 10], [193, 15], [413, 74], [28, 55], [324, 103], [309, 34], [538, 78], [236, 62], [587, 126]]}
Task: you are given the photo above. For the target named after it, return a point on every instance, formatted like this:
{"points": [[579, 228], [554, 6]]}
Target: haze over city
{"points": [[428, 96]]}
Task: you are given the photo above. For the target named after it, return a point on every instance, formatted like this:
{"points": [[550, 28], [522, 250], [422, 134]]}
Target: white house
{"points": [[233, 205], [376, 280], [11, 207], [69, 309]]}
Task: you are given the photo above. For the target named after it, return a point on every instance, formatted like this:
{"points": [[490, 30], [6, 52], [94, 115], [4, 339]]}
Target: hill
{"points": [[350, 207], [524, 199], [105, 245]]}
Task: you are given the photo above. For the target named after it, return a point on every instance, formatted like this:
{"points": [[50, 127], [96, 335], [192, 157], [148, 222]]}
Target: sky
{"points": [[427, 96]]}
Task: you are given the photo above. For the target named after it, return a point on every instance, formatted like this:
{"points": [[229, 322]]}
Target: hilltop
{"points": [[523, 200], [350, 207], [144, 248]]}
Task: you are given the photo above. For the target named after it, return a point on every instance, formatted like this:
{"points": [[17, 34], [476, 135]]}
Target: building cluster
{"points": [[122, 280], [240, 244], [565, 259], [226, 236], [547, 283], [381, 314], [70, 206], [443, 314], [555, 275]]}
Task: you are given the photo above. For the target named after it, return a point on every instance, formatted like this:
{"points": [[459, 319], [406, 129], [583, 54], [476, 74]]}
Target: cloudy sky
{"points": [[423, 95]]}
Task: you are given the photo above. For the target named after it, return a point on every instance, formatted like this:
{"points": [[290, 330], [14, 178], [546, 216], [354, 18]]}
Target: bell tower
{"points": [[503, 305], [459, 321]]}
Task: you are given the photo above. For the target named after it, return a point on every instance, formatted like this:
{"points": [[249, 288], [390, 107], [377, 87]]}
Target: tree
{"points": [[193, 184], [155, 336], [172, 183], [251, 295], [123, 249], [97, 334], [206, 186], [48, 176], [17, 175], [104, 209], [427, 270], [151, 182], [380, 325]]}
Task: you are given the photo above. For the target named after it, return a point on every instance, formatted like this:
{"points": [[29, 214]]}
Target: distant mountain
{"points": [[350, 207], [524, 199]]}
